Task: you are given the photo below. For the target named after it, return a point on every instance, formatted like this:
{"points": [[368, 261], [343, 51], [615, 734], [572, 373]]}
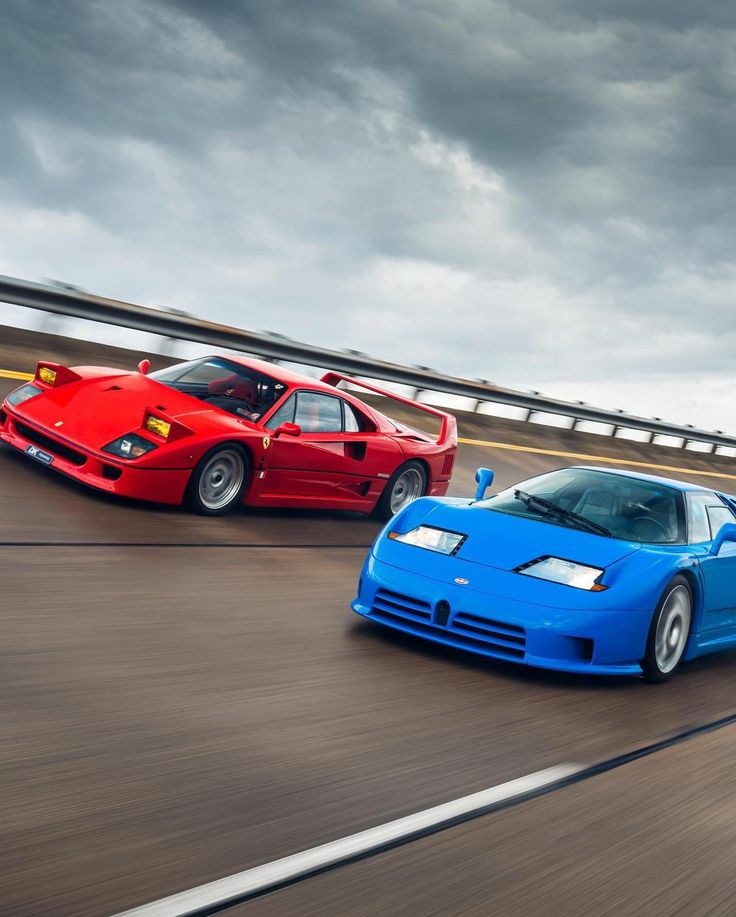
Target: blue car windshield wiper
{"points": [[548, 508]]}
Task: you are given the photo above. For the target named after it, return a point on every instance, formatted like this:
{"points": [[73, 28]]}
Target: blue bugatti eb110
{"points": [[580, 570]]}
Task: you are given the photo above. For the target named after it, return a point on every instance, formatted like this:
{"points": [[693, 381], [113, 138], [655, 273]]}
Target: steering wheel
{"points": [[650, 521]]}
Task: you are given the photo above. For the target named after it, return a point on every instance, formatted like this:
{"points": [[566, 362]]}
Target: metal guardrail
{"points": [[70, 301]]}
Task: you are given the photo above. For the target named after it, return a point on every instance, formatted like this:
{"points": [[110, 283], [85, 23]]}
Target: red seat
{"points": [[235, 387]]}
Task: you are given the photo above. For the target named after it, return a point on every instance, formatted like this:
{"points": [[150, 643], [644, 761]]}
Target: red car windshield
{"points": [[225, 385]]}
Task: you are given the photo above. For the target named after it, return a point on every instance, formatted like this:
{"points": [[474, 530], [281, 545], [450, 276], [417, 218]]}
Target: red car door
{"points": [[332, 462]]}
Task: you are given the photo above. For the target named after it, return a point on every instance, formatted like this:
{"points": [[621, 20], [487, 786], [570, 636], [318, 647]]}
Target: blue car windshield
{"points": [[601, 502]]}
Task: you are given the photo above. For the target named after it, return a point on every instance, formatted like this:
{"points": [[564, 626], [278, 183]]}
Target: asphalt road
{"points": [[655, 837], [185, 698]]}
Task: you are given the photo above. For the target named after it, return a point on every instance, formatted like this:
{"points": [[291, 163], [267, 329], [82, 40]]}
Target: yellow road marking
{"points": [[595, 458], [8, 374]]}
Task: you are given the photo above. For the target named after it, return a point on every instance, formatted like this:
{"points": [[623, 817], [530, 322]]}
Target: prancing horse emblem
{"points": [[266, 442], [461, 581]]}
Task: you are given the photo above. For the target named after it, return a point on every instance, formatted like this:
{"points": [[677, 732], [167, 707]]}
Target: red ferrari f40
{"points": [[219, 431]]}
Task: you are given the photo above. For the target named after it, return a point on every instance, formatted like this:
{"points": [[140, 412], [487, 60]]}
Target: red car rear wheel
{"points": [[407, 483]]}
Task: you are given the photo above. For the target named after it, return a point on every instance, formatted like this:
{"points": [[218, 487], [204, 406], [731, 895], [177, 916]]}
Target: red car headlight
{"points": [[131, 446]]}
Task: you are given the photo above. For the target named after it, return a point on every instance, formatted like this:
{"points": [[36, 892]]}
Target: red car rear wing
{"points": [[448, 429]]}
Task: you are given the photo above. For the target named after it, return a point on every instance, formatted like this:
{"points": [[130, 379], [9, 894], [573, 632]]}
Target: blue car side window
{"points": [[698, 526], [706, 514], [718, 517]]}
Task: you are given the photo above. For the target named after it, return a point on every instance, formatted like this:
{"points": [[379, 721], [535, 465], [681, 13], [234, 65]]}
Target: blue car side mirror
{"points": [[726, 533], [484, 478]]}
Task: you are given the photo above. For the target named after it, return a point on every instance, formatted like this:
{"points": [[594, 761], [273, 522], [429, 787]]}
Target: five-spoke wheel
{"points": [[218, 481], [407, 483]]}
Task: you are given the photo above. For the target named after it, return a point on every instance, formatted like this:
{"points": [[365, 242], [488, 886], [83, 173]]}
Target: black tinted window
{"points": [[352, 422]]}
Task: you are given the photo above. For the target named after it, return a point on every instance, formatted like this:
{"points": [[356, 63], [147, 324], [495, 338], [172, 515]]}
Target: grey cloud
{"points": [[501, 189]]}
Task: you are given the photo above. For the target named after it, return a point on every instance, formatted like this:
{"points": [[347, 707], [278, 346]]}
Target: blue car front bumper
{"points": [[500, 625]]}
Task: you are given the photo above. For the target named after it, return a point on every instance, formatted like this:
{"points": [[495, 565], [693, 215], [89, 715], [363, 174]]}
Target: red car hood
{"points": [[97, 410]]}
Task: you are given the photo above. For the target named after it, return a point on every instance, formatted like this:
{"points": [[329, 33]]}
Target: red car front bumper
{"points": [[92, 468]]}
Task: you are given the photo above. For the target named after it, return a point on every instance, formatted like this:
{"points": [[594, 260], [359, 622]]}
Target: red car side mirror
{"points": [[144, 366], [288, 429]]}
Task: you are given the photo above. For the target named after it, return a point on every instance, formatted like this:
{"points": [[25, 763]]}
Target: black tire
{"points": [[217, 484], [386, 507], [669, 631]]}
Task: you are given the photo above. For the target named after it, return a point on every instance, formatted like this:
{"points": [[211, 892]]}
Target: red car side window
{"points": [[316, 413], [285, 414]]}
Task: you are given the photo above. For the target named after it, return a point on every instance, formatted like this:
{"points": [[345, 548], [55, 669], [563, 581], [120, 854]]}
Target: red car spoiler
{"points": [[448, 429]]}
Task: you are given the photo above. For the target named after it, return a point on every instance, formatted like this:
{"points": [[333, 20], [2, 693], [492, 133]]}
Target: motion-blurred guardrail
{"points": [[62, 300]]}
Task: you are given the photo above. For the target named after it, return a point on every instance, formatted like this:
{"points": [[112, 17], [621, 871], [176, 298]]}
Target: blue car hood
{"points": [[506, 542]]}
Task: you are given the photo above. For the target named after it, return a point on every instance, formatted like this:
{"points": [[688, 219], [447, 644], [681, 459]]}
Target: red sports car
{"points": [[224, 430]]}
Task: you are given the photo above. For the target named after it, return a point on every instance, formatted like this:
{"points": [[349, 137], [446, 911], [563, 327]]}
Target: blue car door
{"points": [[719, 572]]}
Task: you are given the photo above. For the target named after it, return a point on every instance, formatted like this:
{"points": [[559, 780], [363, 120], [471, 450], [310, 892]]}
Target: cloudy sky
{"points": [[541, 194]]}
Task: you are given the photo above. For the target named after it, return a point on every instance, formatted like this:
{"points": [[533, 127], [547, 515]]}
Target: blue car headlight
{"points": [[431, 538], [565, 572], [29, 390]]}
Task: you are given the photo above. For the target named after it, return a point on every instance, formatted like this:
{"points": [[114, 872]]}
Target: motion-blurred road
{"points": [[184, 698]]}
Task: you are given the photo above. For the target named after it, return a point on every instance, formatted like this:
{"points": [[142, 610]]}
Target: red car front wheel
{"points": [[219, 480]]}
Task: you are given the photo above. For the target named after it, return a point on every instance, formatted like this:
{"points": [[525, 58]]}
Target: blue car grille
{"points": [[393, 603], [463, 629]]}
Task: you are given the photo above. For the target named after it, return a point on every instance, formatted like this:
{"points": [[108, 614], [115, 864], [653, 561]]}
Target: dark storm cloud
{"points": [[356, 173], [596, 113]]}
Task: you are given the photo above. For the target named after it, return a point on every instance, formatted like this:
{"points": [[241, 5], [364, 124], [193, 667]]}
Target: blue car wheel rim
{"points": [[673, 628]]}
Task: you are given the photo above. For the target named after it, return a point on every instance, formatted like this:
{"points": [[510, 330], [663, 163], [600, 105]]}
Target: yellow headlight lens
{"points": [[156, 425], [47, 375]]}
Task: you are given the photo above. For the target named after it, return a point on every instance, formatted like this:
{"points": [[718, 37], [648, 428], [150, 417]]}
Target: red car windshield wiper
{"points": [[548, 508]]}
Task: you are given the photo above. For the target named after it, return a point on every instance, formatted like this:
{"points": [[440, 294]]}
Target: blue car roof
{"points": [[655, 479]]}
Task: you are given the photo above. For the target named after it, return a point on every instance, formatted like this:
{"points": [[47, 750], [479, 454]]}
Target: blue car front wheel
{"points": [[669, 630]]}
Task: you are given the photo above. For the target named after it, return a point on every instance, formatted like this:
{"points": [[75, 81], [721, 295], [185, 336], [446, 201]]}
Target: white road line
{"points": [[270, 875]]}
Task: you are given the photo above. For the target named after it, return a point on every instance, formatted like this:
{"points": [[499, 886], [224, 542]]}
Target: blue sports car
{"points": [[580, 570]]}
